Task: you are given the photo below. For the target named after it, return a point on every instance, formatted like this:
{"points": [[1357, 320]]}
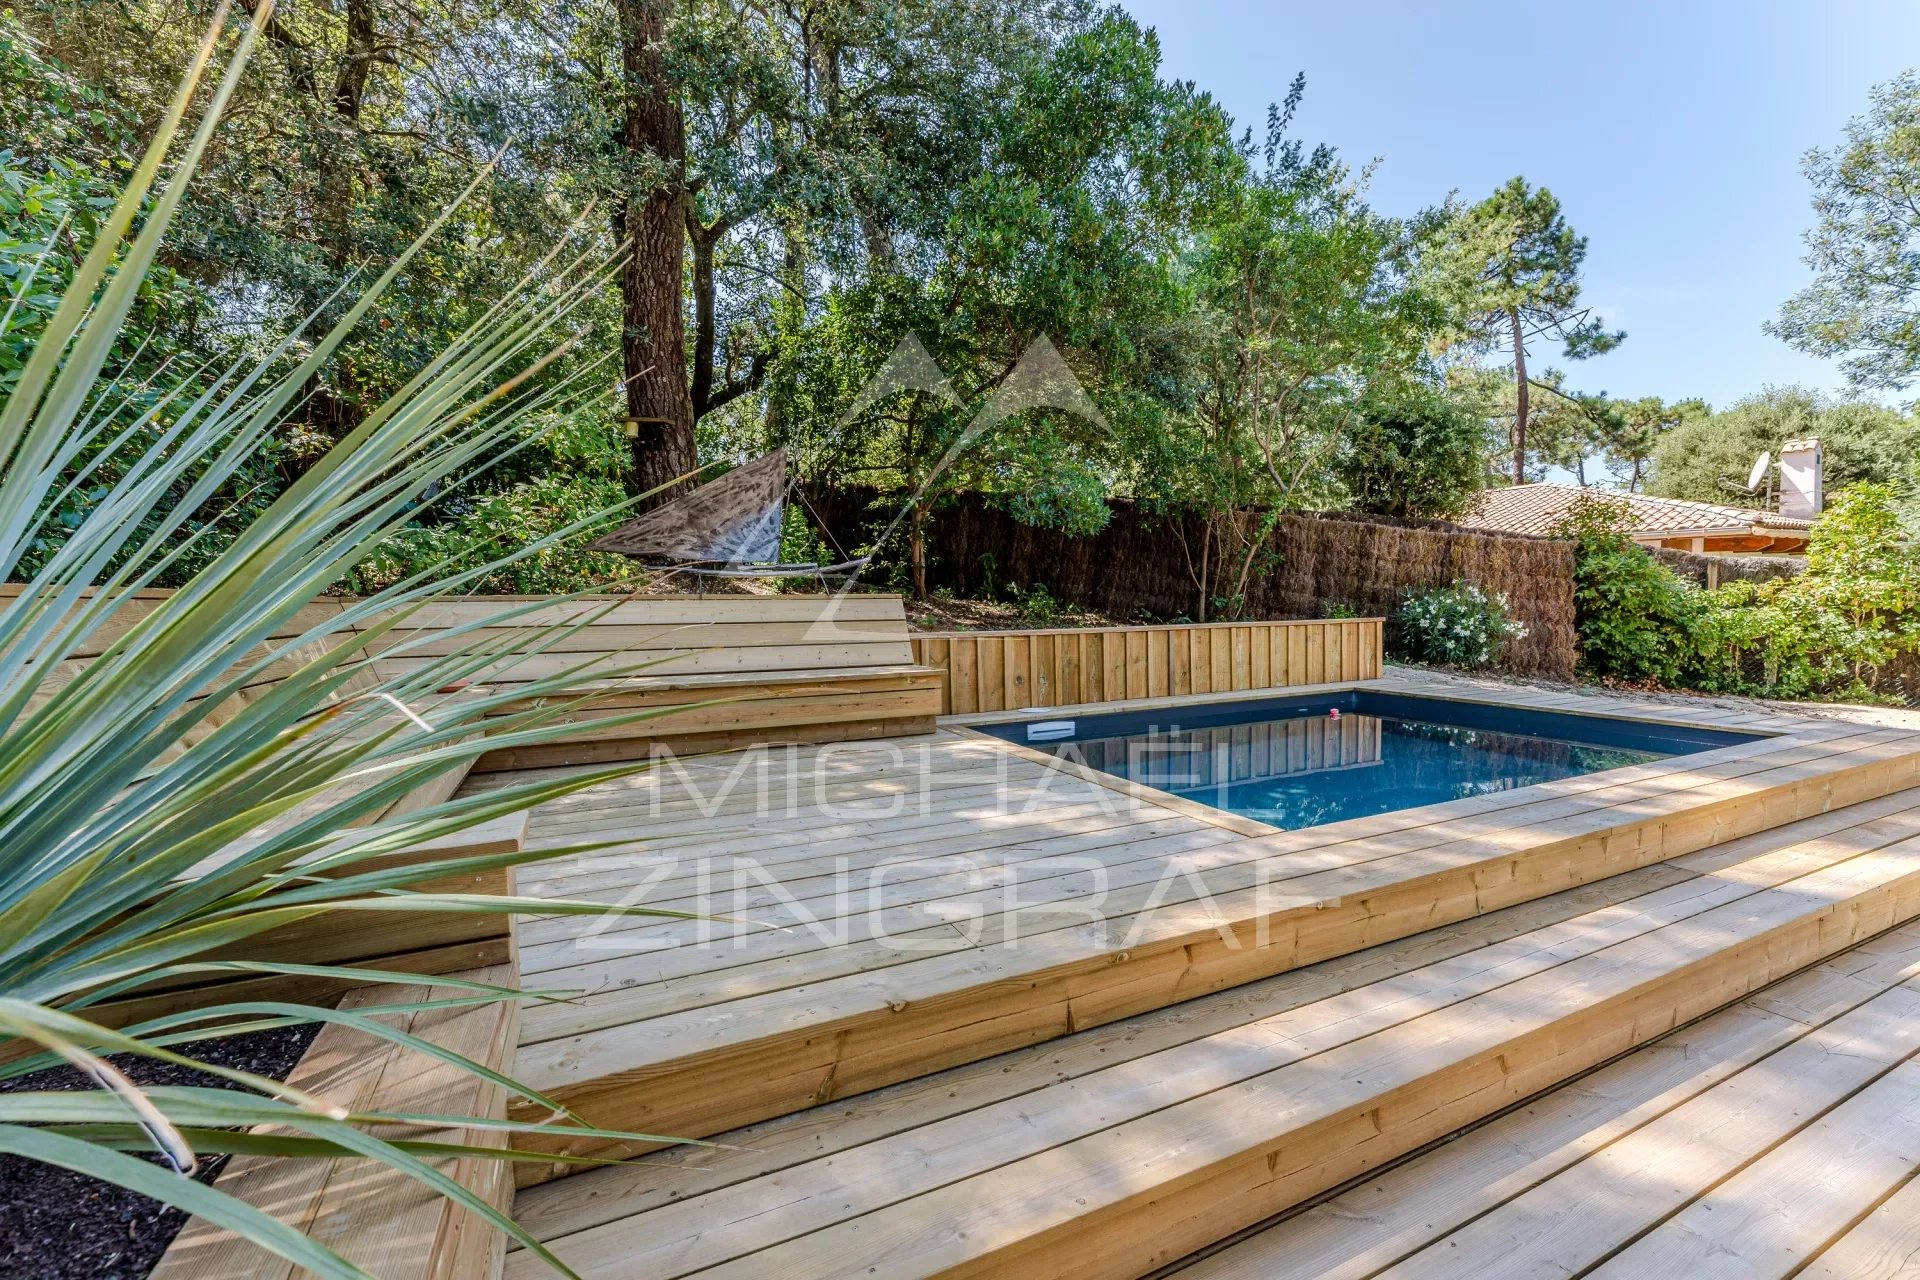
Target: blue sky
{"points": [[1672, 133]]}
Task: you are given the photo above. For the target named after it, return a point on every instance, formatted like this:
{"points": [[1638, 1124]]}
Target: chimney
{"points": [[1801, 491]]}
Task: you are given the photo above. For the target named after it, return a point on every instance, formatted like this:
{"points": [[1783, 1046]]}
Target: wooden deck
{"points": [[1778, 1137], [975, 1013], [1119, 1150], [1126, 1148], [375, 1217], [900, 872]]}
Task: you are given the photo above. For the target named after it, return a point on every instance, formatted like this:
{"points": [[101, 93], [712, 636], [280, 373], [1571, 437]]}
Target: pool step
{"points": [[694, 1040], [1708, 1152], [1124, 1149]]}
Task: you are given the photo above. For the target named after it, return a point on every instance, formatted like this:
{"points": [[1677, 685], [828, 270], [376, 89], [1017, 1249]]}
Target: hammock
{"points": [[726, 528]]}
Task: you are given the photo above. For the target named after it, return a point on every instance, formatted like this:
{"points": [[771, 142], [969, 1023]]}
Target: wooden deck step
{"points": [[1127, 1148], [1121, 903], [1776, 1135], [388, 1224]]}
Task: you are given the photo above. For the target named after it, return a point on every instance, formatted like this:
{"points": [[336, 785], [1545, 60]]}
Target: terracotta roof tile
{"points": [[1534, 508]]}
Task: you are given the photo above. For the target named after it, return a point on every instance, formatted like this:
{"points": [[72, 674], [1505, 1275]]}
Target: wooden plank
{"points": [[1234, 1154], [376, 1218], [1576, 1219], [1072, 671], [1046, 672], [992, 657], [1018, 666], [655, 611], [1221, 656], [1056, 980], [963, 682], [1402, 1212], [749, 662], [621, 637], [1885, 1245], [1782, 1209], [581, 751], [1131, 1168]]}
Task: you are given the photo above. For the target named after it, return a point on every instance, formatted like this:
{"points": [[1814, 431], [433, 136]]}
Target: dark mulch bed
{"points": [[59, 1225]]}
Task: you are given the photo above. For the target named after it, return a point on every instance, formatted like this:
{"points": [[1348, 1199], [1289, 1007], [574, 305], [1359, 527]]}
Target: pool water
{"points": [[1292, 763]]}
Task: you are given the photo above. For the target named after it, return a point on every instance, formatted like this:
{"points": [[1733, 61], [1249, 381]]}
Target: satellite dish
{"points": [[1759, 472]]}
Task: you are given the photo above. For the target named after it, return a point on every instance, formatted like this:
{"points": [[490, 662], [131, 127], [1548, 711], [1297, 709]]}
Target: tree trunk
{"points": [[356, 65], [917, 549], [654, 348], [1521, 404]]}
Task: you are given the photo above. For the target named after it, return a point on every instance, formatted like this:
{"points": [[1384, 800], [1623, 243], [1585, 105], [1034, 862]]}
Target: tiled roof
{"points": [[1534, 508]]}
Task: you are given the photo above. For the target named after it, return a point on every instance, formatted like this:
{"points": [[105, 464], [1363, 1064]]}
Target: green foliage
{"points": [[1828, 631], [127, 786], [1860, 443], [1060, 241], [1454, 626], [1300, 312], [1634, 615], [1037, 605], [562, 474], [59, 176], [1632, 430], [1508, 271], [493, 529], [1865, 249], [1510, 255], [1414, 452]]}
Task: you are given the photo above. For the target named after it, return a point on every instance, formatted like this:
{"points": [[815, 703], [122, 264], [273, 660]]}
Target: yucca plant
{"points": [[124, 789]]}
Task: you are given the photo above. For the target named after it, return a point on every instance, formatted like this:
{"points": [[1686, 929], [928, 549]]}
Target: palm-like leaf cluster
{"points": [[125, 786]]}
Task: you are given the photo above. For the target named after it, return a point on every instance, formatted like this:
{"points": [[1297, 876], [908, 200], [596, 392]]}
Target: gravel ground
{"points": [[60, 1225]]}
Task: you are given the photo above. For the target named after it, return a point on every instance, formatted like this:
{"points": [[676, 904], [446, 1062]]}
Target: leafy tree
{"points": [[358, 126], [69, 143], [1865, 249], [1300, 309], [1860, 442], [1053, 259], [1413, 451], [1633, 429], [1509, 267], [750, 151]]}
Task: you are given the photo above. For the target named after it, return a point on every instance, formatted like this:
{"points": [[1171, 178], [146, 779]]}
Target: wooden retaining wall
{"points": [[1008, 670]]}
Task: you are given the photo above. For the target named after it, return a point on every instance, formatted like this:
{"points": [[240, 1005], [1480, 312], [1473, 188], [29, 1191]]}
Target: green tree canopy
{"points": [[1509, 269], [1860, 442], [1413, 451], [1864, 303], [1057, 251]]}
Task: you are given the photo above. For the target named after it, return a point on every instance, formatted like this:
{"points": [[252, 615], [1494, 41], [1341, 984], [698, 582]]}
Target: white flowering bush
{"points": [[1456, 626]]}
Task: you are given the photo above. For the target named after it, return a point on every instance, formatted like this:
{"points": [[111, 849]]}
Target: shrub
{"points": [[1037, 605], [1635, 616], [1456, 626], [1832, 630], [513, 533]]}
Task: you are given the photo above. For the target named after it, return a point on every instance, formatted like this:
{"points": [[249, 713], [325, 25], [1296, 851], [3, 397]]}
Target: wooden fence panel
{"points": [[1011, 670]]}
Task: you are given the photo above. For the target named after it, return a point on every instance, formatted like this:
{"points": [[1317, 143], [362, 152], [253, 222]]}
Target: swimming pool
{"points": [[1294, 762]]}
